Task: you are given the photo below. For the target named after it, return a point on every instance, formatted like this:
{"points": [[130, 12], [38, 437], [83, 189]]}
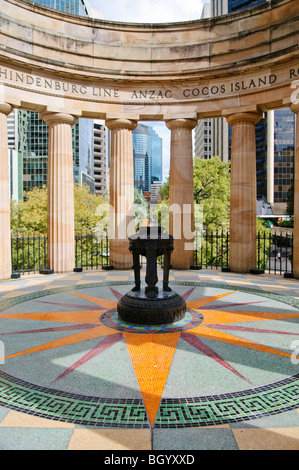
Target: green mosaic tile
{"points": [[229, 408], [255, 403], [46, 403]]}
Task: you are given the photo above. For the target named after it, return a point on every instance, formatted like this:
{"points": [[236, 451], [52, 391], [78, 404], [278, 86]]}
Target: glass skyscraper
{"points": [[157, 167], [77, 7], [35, 158], [142, 153], [235, 5], [275, 134], [147, 152], [284, 152]]}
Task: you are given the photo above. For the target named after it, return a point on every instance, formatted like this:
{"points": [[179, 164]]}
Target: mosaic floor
{"points": [[228, 367]]}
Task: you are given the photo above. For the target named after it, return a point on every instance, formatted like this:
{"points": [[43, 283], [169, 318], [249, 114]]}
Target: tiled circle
{"points": [[180, 411]]}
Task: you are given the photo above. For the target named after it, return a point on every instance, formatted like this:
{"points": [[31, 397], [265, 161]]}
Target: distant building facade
{"points": [[35, 155], [147, 153]]}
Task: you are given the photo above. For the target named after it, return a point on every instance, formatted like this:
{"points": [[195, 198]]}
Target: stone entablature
{"points": [[197, 68]]}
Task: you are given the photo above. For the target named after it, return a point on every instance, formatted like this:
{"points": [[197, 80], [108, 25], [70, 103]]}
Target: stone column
{"points": [[5, 238], [181, 199], [243, 192], [295, 109], [61, 238], [121, 191]]}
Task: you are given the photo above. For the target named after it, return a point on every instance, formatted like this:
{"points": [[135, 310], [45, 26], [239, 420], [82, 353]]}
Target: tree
{"points": [[30, 215], [90, 208], [211, 190]]}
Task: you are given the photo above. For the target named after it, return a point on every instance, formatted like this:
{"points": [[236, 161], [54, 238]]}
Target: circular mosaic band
{"points": [[201, 411], [126, 413]]}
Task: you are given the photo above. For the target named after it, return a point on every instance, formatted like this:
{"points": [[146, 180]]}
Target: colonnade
{"points": [[61, 186]]}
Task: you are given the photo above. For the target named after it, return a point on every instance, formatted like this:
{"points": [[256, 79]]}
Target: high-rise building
{"points": [[142, 153], [147, 152], [235, 5], [100, 158], [284, 153], [157, 166], [202, 139], [211, 135], [275, 134], [35, 157], [17, 124], [76, 7]]}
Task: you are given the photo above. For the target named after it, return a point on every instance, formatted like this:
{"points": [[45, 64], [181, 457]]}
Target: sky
{"points": [[149, 11], [152, 11]]}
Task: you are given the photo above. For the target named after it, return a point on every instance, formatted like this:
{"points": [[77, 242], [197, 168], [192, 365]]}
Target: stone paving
{"points": [[73, 376]]}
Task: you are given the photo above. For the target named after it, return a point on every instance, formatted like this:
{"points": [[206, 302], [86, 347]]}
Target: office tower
{"points": [[218, 7], [76, 7], [35, 159], [157, 167], [275, 138], [261, 141], [235, 5], [284, 153], [211, 135], [142, 153], [147, 153], [202, 139], [274, 135], [100, 158], [17, 123]]}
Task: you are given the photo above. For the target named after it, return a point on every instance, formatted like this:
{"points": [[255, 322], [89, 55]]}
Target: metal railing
{"points": [[211, 251], [274, 252], [91, 251], [28, 253]]}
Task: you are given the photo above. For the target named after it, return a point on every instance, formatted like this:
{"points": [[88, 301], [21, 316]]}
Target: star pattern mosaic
{"points": [[222, 319]]}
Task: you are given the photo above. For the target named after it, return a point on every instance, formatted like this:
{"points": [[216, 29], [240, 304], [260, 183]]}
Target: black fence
{"points": [[211, 251], [28, 253], [91, 251], [274, 252]]}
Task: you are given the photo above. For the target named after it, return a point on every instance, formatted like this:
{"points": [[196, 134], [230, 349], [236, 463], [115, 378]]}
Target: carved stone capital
{"points": [[115, 124], [250, 117], [59, 118], [294, 108], [181, 123], [5, 108]]}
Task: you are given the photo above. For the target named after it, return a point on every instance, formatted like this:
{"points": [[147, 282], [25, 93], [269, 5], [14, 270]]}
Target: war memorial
{"points": [[214, 374]]}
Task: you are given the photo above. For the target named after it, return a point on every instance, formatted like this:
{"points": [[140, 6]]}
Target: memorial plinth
{"points": [[151, 305]]}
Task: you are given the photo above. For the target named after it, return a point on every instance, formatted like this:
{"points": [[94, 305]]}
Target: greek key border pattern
{"points": [[130, 413]]}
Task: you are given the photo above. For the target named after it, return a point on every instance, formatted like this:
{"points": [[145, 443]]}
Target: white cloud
{"points": [[149, 11]]}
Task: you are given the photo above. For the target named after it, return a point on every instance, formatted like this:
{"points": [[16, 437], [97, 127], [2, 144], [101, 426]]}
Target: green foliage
{"points": [[90, 209], [30, 215], [141, 208], [212, 190], [286, 223], [211, 182]]}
